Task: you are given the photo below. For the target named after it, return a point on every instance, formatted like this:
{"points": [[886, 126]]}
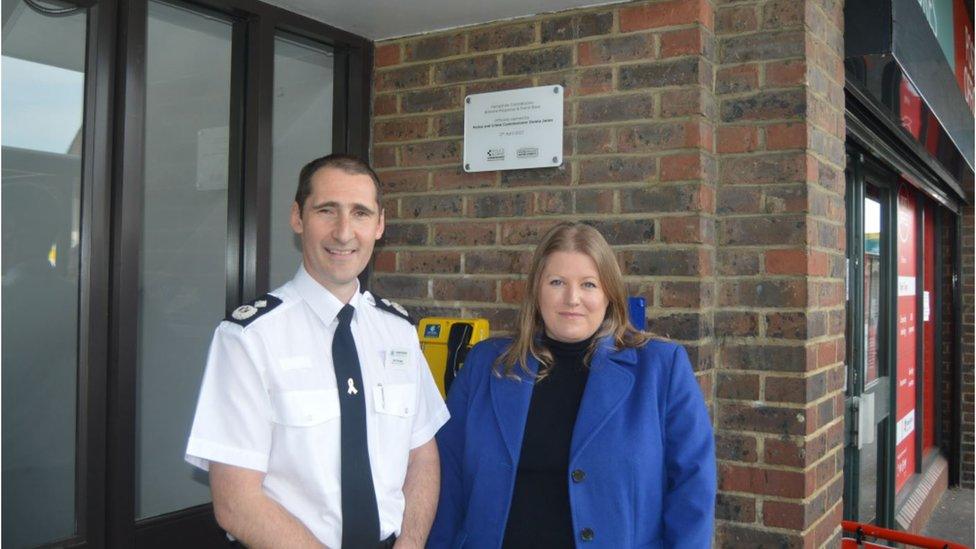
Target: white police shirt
{"points": [[269, 401]]}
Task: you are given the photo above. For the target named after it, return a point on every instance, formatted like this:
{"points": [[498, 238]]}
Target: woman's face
{"points": [[571, 298]]}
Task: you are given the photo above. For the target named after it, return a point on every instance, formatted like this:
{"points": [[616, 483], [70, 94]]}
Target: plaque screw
{"points": [[467, 100], [555, 160], [467, 166], [555, 89]]}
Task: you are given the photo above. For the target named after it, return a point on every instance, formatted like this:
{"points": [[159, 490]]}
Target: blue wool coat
{"points": [[642, 439]]}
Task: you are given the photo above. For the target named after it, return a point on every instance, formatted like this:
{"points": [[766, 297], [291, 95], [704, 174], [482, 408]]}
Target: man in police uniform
{"points": [[317, 411]]}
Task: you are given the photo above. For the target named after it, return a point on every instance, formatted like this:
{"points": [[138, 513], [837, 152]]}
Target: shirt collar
{"points": [[325, 305]]}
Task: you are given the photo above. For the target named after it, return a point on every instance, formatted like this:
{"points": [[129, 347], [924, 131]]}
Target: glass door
{"points": [[870, 224], [184, 241], [44, 77]]}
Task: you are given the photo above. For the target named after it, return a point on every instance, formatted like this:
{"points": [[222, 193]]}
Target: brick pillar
{"points": [[780, 267]]}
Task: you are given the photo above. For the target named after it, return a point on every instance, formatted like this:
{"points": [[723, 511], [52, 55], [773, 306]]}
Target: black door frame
{"points": [[111, 228], [862, 170], [96, 231]]}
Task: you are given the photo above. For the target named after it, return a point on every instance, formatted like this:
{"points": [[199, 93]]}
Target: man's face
{"points": [[339, 224]]}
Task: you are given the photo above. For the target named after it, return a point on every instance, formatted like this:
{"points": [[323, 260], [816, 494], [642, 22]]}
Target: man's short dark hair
{"points": [[343, 162]]}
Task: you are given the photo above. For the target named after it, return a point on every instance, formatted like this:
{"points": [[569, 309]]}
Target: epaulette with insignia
{"points": [[394, 308], [249, 312]]}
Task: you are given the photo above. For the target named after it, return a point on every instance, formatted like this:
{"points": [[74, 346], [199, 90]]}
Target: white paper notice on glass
{"points": [[212, 164], [514, 129], [925, 307]]}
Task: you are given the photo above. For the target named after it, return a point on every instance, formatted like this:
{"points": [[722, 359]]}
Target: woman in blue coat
{"points": [[579, 431]]}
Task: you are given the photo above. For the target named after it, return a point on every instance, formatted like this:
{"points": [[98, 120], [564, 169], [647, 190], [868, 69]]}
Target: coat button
{"points": [[586, 534], [578, 475]]}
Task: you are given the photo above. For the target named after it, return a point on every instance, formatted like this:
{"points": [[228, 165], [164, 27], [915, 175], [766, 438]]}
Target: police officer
{"points": [[317, 411]]}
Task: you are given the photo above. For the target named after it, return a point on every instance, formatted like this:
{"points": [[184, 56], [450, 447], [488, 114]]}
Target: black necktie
{"points": [[360, 518]]}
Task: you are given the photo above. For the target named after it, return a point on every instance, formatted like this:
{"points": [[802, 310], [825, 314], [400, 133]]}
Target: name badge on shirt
{"points": [[396, 359]]}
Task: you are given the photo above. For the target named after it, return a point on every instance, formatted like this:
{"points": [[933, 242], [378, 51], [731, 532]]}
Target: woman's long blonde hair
{"points": [[570, 237]]}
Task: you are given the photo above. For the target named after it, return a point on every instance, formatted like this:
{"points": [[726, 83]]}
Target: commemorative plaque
{"points": [[514, 129]]}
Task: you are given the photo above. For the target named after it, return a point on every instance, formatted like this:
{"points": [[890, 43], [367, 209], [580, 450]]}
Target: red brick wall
{"points": [[953, 396], [968, 339], [705, 140], [638, 161], [946, 402]]}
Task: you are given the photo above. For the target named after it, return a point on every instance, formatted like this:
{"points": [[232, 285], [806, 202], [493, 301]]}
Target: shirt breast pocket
{"points": [[398, 399], [304, 408]]}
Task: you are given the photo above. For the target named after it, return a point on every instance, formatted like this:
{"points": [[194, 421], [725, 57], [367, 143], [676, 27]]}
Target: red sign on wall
{"points": [[910, 108], [906, 338], [962, 30]]}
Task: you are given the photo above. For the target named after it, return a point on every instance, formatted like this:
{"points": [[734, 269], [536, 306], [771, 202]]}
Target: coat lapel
{"points": [[510, 400], [608, 384]]}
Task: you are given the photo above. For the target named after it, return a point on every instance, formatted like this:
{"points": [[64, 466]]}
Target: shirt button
{"points": [[586, 534], [578, 475]]}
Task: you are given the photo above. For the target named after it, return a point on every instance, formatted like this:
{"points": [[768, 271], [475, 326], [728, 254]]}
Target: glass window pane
{"points": [[872, 288], [43, 105], [867, 481], [184, 243], [303, 74], [871, 453]]}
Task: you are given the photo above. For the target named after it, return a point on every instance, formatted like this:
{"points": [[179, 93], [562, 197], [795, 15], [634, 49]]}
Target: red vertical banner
{"points": [[929, 317], [906, 326], [962, 30]]}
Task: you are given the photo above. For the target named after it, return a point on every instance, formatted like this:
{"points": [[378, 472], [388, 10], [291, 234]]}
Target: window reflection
{"points": [[184, 244], [42, 89], [872, 287]]}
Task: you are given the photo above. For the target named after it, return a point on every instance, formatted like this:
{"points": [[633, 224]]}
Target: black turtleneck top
{"points": [[540, 515]]}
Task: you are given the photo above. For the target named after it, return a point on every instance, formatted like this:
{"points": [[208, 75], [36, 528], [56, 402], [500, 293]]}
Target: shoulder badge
{"points": [[394, 308], [249, 312]]}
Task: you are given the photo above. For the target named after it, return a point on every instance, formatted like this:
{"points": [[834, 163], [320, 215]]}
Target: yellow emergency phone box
{"points": [[445, 342]]}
